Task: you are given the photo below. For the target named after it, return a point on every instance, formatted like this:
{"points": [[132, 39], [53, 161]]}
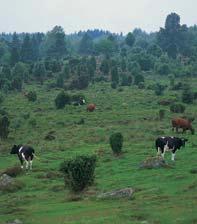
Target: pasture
{"points": [[166, 195]]}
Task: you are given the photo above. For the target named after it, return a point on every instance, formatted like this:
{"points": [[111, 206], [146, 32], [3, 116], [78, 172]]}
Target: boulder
{"points": [[153, 162], [9, 184], [121, 193], [16, 221]]}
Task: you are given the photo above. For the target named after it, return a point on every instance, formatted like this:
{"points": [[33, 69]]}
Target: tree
{"points": [[26, 49], [4, 126], [104, 68], [86, 45], [114, 75], [130, 39], [39, 71], [62, 99], [54, 45], [116, 142], [15, 49]]}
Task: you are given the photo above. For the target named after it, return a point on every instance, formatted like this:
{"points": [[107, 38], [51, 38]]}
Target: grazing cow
{"points": [[80, 101], [25, 153], [91, 107], [182, 123], [164, 144]]}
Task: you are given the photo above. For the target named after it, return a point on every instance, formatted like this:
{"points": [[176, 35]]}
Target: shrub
{"points": [[138, 79], [113, 85], [159, 89], [141, 85], [116, 142], [177, 108], [4, 126], [187, 96], [62, 99], [1, 98], [161, 114], [31, 96], [79, 172]]}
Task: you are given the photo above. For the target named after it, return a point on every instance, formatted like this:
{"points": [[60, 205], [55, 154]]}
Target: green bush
{"points": [[138, 78], [116, 142], [177, 108], [113, 85], [159, 89], [79, 172], [31, 96], [4, 126], [187, 96], [62, 99]]}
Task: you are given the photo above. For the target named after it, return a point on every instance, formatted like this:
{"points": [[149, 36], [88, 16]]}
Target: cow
{"points": [[183, 123], [80, 101], [164, 144], [91, 107], [25, 153]]}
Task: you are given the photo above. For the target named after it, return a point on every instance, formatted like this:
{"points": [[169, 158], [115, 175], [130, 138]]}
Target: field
{"points": [[161, 196]]}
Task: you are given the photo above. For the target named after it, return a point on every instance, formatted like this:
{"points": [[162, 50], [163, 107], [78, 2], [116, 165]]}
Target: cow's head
{"points": [[183, 141], [14, 149]]}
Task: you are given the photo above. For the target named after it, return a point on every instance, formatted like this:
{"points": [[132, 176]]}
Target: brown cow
{"points": [[91, 107], [183, 123]]}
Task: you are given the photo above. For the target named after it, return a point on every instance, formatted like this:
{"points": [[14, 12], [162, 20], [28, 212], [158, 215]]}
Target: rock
{"points": [[9, 184], [16, 221], [153, 162], [122, 193]]}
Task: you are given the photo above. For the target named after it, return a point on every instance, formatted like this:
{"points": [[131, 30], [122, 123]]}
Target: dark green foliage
{"points": [[62, 99], [114, 75], [15, 50], [60, 80], [116, 142], [187, 96], [146, 62], [104, 68], [130, 39], [155, 50], [77, 97], [138, 79], [79, 172], [141, 85], [39, 71], [159, 89], [81, 82], [26, 49], [86, 45], [161, 114], [31, 96], [114, 85], [163, 69], [17, 83], [177, 108], [4, 126], [1, 98], [134, 68], [126, 80]]}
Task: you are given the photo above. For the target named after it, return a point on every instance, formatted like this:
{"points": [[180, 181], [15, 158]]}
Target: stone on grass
{"points": [[9, 184], [16, 221], [121, 193], [153, 162]]}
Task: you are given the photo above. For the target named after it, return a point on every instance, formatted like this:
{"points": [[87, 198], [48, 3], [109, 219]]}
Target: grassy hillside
{"points": [[161, 195]]}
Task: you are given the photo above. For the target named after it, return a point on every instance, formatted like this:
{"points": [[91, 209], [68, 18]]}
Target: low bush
{"points": [[116, 142], [79, 172], [177, 108], [31, 96]]}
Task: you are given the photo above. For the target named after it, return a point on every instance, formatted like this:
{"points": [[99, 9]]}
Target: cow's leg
{"points": [[30, 164], [26, 164], [158, 151], [173, 156], [21, 160]]}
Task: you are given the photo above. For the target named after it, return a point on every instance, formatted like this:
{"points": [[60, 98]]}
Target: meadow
{"points": [[162, 196]]}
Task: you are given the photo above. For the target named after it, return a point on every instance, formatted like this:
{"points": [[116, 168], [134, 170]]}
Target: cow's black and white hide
{"points": [[171, 144], [80, 101], [25, 154]]}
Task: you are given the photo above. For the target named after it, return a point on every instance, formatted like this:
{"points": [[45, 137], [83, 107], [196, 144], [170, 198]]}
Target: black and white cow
{"points": [[80, 101], [25, 154], [171, 144]]}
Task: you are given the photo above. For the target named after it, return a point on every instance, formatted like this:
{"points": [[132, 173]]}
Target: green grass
{"points": [[162, 195]]}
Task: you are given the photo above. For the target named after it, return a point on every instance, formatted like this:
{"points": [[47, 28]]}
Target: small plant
{"points": [[187, 96], [116, 142], [31, 96], [62, 99], [4, 126], [113, 85], [159, 89], [161, 114], [79, 172], [177, 108]]}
